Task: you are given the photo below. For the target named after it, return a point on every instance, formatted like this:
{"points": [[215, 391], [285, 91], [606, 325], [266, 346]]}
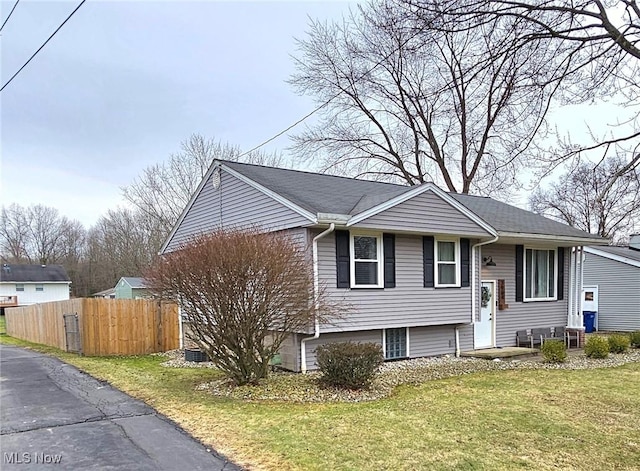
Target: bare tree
{"points": [[243, 293], [601, 200], [163, 190], [119, 244], [409, 103], [39, 234], [599, 40], [15, 233]]}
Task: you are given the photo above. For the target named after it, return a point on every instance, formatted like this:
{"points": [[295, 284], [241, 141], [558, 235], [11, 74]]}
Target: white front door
{"points": [[483, 327]]}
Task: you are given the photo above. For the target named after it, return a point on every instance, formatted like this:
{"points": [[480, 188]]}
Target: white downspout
{"points": [[473, 285], [316, 289]]}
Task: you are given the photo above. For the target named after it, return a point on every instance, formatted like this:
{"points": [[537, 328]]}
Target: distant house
{"points": [[106, 294], [612, 285], [130, 287], [21, 285], [425, 272]]}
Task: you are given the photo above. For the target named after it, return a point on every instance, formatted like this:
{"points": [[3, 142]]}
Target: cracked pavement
{"points": [[51, 411]]}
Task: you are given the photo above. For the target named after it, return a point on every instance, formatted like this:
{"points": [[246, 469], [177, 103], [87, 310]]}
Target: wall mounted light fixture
{"points": [[488, 262]]}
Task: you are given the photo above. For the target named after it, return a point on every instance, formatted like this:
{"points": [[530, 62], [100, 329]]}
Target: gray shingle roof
{"points": [[134, 281], [33, 273], [506, 218], [319, 193], [622, 252]]}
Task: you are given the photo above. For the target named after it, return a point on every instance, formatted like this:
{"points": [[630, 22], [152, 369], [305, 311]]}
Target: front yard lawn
{"points": [[520, 419]]}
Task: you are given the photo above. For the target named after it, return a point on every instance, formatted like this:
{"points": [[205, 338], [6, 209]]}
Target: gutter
{"points": [[316, 290]]}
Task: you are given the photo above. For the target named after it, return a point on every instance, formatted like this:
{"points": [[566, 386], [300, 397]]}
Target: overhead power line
{"points": [[325, 103], [43, 44], [9, 15]]}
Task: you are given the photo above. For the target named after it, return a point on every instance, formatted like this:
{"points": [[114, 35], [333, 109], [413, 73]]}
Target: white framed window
{"points": [[540, 274], [366, 261], [395, 343], [447, 258], [20, 287]]}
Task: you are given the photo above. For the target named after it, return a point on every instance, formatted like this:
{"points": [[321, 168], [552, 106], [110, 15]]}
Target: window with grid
{"points": [[447, 263], [395, 343], [366, 263]]}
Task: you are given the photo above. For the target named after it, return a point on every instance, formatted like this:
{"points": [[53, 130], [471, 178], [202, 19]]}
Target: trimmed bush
{"points": [[349, 365], [596, 347], [554, 351], [635, 339], [619, 343]]}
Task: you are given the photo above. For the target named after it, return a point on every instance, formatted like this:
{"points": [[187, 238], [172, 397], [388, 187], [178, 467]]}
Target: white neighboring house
{"points": [[22, 285], [612, 285]]}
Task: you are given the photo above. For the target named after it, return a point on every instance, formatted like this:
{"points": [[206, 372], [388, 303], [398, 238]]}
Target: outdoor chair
{"points": [[559, 333], [523, 339], [539, 335], [568, 337]]}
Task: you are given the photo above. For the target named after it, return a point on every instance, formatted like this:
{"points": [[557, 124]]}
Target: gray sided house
{"points": [[425, 272], [612, 285]]}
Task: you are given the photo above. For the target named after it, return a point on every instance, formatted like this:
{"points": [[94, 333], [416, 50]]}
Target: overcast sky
{"points": [[123, 83]]}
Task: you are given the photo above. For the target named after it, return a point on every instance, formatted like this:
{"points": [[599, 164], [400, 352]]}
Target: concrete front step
{"points": [[504, 353]]}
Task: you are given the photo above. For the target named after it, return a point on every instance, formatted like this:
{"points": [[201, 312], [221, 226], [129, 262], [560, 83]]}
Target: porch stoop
{"points": [[504, 353]]}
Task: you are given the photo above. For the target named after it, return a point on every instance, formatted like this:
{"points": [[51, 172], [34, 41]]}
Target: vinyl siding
{"points": [[234, 204], [51, 292], [408, 304], [423, 342], [432, 341], [290, 353], [424, 213], [618, 292], [521, 315], [374, 336]]}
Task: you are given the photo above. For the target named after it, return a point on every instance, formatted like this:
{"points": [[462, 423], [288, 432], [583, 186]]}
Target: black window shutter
{"points": [[389, 246], [465, 259], [427, 257], [560, 287], [519, 272], [342, 259]]}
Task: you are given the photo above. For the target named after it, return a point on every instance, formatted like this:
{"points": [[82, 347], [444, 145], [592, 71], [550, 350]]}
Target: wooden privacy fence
{"points": [[105, 326]]}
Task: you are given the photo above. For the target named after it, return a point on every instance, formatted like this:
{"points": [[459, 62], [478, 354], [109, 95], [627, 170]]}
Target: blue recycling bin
{"points": [[589, 321]]}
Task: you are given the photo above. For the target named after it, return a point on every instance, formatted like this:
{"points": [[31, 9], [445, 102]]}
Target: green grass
{"points": [[540, 419]]}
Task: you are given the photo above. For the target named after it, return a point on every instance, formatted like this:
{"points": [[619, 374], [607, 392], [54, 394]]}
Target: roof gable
{"points": [[33, 274], [620, 254], [134, 281], [425, 209], [312, 196]]}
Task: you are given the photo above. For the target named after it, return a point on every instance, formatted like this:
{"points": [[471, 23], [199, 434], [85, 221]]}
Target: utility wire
{"points": [[9, 16], [325, 103], [43, 44]]}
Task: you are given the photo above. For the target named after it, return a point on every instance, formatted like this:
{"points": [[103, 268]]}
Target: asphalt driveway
{"points": [[55, 417]]}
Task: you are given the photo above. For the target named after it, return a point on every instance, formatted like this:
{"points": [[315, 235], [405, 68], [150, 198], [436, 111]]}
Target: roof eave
{"points": [[612, 256], [574, 240]]}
